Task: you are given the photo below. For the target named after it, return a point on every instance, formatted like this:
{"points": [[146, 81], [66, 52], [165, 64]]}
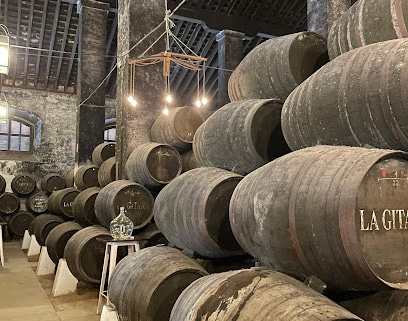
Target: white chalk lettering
{"points": [[390, 219]]}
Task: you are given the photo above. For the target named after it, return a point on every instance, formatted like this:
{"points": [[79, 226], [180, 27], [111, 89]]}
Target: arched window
{"points": [[110, 130]]}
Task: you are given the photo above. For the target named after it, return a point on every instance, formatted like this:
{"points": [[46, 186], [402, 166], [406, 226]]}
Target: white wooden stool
{"points": [[1, 243], [109, 262]]}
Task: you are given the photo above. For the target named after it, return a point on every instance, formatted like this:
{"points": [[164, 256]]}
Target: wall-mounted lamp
{"points": [[4, 49]]}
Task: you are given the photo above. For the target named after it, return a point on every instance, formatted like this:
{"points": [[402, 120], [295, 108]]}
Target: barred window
{"points": [[110, 134], [16, 135]]}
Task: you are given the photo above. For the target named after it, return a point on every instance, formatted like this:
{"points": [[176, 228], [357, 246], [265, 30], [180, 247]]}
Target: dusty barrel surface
{"points": [[254, 294], [368, 22], [274, 68], [153, 164], [19, 222], [37, 203], [338, 213], [3, 184], [107, 172], [85, 254], [241, 136], [69, 178], [83, 208], [357, 99], [43, 226], [9, 203], [52, 182], [57, 239], [156, 286], [384, 305], [86, 176], [60, 202], [188, 161], [177, 129], [136, 199], [192, 212], [102, 152], [23, 184]]}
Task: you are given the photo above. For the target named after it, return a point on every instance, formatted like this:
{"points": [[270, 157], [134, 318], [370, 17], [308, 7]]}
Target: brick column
{"points": [[135, 20], [321, 14], [91, 72], [230, 52]]}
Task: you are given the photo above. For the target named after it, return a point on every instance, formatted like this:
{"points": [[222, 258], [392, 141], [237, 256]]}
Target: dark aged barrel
{"points": [[335, 212], [234, 295], [6, 232], [19, 222], [102, 152], [156, 276], [384, 305], [23, 184], [52, 182], [152, 236], [3, 184], [241, 136], [37, 203], [86, 176], [9, 203], [368, 22], [44, 225], [153, 164], [58, 238], [274, 68], [136, 199], [69, 178], [188, 161], [84, 254], [60, 202], [192, 212], [83, 209], [357, 99], [107, 172], [177, 129]]}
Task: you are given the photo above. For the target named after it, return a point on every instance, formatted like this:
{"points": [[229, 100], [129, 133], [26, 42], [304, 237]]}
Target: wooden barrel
{"points": [[136, 199], [107, 172], [58, 238], [368, 22], [69, 178], [357, 99], [102, 152], [234, 295], [177, 129], [6, 232], [23, 184], [9, 203], [151, 236], [52, 182], [274, 68], [155, 276], [84, 254], [3, 184], [37, 203], [86, 176], [153, 164], [192, 212], [61, 202], [241, 136], [333, 212], [83, 209], [19, 222], [43, 226], [188, 161], [384, 305]]}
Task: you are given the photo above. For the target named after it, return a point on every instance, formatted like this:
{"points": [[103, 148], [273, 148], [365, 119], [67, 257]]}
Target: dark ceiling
{"points": [[44, 38]]}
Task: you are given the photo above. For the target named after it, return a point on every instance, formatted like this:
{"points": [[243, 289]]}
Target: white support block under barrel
{"points": [[33, 250], [26, 240], [109, 314], [64, 282], [45, 265]]}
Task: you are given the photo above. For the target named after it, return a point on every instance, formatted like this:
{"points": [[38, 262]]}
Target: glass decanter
{"points": [[121, 227]]}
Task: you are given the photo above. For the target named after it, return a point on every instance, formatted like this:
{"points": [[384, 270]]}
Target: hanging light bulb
{"points": [[198, 103], [132, 101], [204, 101], [169, 99], [166, 111]]}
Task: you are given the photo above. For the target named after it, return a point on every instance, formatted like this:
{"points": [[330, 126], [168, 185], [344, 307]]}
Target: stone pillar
{"points": [[230, 53], [321, 14], [136, 19], [91, 72]]}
